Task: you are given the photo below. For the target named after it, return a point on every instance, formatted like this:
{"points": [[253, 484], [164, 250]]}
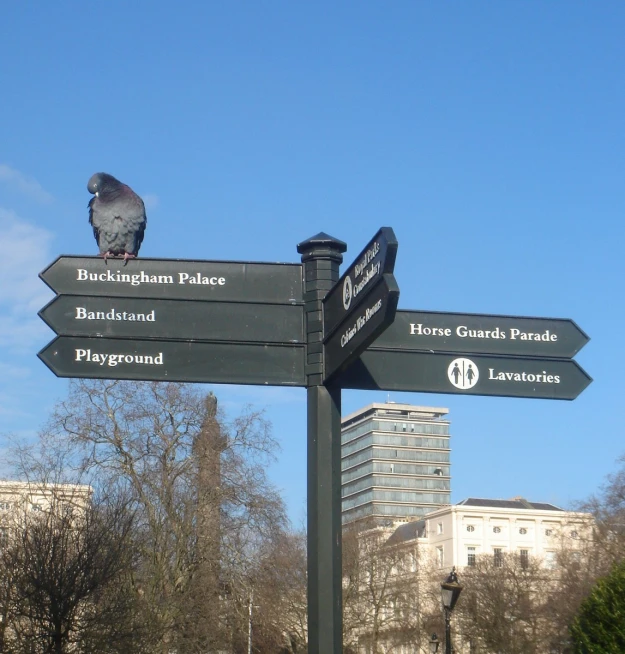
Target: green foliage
{"points": [[599, 627]]}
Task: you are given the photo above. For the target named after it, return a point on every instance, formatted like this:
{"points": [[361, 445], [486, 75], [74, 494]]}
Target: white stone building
{"points": [[456, 534], [416, 556], [20, 499]]}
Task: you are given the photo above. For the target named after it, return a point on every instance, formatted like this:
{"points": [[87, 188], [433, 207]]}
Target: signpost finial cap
{"points": [[322, 242]]}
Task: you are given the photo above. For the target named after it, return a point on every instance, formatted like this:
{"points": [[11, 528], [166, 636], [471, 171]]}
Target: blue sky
{"points": [[490, 136]]}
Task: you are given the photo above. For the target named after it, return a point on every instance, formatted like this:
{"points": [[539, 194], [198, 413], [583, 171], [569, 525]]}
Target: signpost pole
{"points": [[321, 258]]}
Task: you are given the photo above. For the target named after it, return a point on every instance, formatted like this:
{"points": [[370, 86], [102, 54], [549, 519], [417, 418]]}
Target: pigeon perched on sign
{"points": [[117, 215]]}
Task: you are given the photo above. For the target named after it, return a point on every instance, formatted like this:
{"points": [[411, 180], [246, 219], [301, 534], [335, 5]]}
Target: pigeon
{"points": [[117, 215]]}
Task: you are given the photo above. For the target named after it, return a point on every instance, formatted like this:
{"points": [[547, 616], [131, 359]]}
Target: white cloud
{"points": [[24, 184], [25, 254]]}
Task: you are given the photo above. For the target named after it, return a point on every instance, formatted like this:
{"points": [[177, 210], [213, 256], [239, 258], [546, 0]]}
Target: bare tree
{"points": [[279, 603], [64, 563], [385, 591], [198, 488], [607, 507], [505, 604]]}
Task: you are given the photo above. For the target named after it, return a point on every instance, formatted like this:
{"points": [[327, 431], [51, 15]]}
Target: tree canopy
{"points": [[599, 627]]}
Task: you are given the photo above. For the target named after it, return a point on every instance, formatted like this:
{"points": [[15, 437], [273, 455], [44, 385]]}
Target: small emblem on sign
{"points": [[463, 373], [347, 292]]}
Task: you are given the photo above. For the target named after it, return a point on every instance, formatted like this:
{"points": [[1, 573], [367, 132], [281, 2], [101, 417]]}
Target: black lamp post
{"points": [[450, 591], [434, 644]]}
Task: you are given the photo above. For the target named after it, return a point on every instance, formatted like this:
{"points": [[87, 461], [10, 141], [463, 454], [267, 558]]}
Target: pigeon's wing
{"points": [[140, 232], [132, 209], [96, 229]]}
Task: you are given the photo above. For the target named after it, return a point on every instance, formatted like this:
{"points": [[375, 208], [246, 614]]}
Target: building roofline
{"points": [[395, 406], [16, 485], [460, 507]]}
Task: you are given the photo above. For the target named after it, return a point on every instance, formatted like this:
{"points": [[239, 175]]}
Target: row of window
{"points": [[383, 453], [414, 497], [398, 441], [524, 557], [497, 530], [549, 559], [8, 506], [410, 483], [398, 468], [409, 511], [523, 531], [388, 425]]}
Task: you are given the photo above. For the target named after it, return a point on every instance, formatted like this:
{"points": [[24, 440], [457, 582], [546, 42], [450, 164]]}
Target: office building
{"points": [[395, 462]]}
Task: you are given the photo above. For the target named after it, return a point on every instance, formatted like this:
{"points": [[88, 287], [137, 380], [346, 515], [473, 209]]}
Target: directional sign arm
{"points": [[375, 260], [177, 279], [216, 363], [432, 331], [362, 326], [423, 372], [185, 320]]}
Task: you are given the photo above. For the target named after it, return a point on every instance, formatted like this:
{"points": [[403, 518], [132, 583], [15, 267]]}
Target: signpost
{"points": [[376, 259], [362, 304], [191, 361], [177, 279], [483, 334], [436, 372], [361, 327], [298, 325], [186, 320]]}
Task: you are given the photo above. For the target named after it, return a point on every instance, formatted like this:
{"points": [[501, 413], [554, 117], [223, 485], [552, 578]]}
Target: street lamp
{"points": [[434, 644], [450, 592]]}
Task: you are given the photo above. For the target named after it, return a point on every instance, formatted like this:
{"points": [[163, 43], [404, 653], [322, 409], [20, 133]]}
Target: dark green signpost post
{"points": [[298, 325]]}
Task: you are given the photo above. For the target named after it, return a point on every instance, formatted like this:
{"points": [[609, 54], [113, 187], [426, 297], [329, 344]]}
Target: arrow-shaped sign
{"points": [[483, 334], [217, 363], [185, 320], [376, 259], [362, 327], [423, 372], [176, 279]]}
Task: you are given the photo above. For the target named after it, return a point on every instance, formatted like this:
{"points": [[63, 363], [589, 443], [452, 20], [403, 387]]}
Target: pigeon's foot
{"points": [[128, 255], [106, 255]]}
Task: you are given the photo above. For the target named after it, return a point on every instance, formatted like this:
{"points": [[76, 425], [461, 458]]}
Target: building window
{"points": [[574, 534], [5, 506], [36, 507], [470, 528], [470, 556], [496, 530], [439, 528], [550, 560], [524, 556], [523, 531], [497, 557], [548, 532], [439, 556], [4, 536]]}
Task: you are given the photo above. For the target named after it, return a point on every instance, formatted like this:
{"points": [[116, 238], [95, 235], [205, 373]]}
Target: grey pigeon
{"points": [[117, 215]]}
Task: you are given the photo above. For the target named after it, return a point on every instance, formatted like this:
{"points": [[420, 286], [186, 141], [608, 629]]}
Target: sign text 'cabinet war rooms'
{"points": [[298, 325]]}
